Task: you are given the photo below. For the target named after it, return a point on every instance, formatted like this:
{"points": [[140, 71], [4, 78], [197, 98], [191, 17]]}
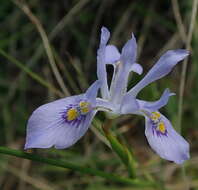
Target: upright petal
{"points": [[122, 70], [129, 52], [105, 35], [101, 62], [137, 68], [92, 91], [164, 140], [160, 69], [112, 54], [63, 122]]}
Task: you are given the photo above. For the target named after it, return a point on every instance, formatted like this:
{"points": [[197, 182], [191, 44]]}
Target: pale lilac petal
{"points": [[170, 146], [129, 105], [112, 54], [156, 105], [105, 35], [48, 126], [164, 65], [92, 91], [137, 68], [105, 105], [122, 70], [74, 134], [129, 52], [101, 63], [119, 84]]}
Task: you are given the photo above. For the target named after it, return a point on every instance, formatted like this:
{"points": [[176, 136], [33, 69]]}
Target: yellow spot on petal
{"points": [[161, 127], [84, 107], [83, 104], [155, 116], [72, 114]]}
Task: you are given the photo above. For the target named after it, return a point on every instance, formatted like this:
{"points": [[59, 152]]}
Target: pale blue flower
{"points": [[63, 122], [162, 137]]}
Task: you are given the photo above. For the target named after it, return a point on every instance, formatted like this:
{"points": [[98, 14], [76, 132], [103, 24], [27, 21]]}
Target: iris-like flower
{"points": [[63, 122], [162, 137]]}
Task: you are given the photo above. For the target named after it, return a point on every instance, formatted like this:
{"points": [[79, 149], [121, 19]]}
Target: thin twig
{"points": [[24, 177], [29, 72], [46, 43], [122, 22], [144, 31], [67, 18], [94, 30], [179, 22], [56, 30], [184, 66]]}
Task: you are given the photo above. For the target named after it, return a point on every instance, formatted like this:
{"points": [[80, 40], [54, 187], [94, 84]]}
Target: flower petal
{"points": [[170, 145], [111, 54], [63, 122], [92, 91], [160, 69], [156, 105], [101, 62], [70, 137], [105, 35], [129, 52], [105, 105], [46, 127], [122, 70], [137, 68], [129, 105]]}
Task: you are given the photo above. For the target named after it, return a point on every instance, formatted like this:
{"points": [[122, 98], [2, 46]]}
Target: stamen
{"points": [[118, 63], [76, 113], [155, 117], [161, 127], [158, 125], [146, 113], [84, 107], [72, 114]]}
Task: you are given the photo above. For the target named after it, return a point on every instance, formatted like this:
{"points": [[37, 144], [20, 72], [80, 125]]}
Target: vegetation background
{"points": [[72, 28]]}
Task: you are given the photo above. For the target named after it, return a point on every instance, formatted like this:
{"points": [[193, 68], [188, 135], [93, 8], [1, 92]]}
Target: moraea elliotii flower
{"points": [[160, 134], [63, 122]]}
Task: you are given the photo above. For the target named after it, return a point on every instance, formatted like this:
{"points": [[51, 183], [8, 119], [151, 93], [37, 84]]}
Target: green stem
{"points": [[85, 170], [121, 150]]}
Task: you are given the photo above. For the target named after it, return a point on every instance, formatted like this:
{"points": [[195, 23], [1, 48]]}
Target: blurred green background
{"points": [[73, 29]]}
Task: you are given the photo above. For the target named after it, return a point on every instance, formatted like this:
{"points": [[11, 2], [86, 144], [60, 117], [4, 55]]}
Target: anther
{"points": [[72, 114], [161, 127], [84, 107]]}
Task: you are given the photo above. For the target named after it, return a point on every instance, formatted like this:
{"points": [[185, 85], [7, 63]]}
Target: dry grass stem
{"points": [[46, 43]]}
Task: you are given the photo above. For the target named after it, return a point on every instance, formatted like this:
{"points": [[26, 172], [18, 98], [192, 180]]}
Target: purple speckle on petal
{"points": [[78, 116], [157, 130]]}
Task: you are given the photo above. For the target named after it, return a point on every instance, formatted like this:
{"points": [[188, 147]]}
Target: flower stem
{"points": [[85, 170], [121, 150]]}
